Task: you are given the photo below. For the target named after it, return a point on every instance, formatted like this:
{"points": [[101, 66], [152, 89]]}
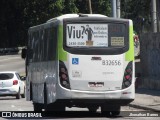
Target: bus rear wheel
{"points": [[110, 110], [93, 109], [55, 107], [115, 113], [37, 107]]}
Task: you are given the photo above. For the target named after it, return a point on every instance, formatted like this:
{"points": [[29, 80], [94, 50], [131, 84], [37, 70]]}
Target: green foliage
{"points": [[139, 11], [69, 7], [16, 16], [101, 7]]}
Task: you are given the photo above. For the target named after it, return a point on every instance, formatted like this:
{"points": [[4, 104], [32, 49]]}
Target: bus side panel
{"points": [[51, 81], [36, 82], [42, 63], [130, 54], [28, 90]]}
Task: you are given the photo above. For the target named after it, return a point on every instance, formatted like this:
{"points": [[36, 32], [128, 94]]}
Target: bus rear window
{"points": [[95, 35]]}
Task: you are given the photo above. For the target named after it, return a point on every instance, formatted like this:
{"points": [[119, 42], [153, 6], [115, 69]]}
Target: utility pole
{"points": [[158, 16], [154, 16], [118, 8], [114, 11], [90, 6]]}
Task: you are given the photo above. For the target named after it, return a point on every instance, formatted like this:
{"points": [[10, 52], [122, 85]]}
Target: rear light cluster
{"points": [[15, 82], [63, 75], [127, 79]]}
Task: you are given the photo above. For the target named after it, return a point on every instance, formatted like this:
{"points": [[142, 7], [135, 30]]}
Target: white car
{"points": [[11, 84]]}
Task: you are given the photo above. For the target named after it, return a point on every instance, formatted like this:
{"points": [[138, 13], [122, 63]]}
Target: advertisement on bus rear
{"points": [[85, 35]]}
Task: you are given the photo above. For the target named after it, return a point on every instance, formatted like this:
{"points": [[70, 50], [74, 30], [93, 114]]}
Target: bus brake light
{"points": [[127, 79], [63, 75]]}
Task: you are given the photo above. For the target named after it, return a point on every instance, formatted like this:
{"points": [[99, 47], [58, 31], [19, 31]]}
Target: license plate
{"points": [[96, 84]]}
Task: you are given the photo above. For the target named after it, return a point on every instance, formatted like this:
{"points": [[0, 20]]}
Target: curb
{"points": [[144, 107]]}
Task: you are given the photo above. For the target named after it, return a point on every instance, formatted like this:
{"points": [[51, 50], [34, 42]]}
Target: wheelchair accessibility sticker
{"points": [[75, 61]]}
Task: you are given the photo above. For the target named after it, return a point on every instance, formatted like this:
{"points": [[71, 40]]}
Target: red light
{"points": [[64, 77], [125, 92], [15, 82], [63, 70], [127, 77], [128, 70]]}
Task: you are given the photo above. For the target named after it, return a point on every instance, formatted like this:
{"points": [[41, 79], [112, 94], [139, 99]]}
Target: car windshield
{"points": [[6, 76]]}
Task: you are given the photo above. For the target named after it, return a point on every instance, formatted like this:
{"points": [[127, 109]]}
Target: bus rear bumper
{"points": [[97, 102], [122, 97]]}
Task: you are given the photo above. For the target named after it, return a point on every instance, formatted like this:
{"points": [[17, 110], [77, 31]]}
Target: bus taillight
{"points": [[127, 79], [63, 75]]}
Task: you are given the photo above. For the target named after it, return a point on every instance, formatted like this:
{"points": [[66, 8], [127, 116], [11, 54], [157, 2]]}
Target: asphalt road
{"points": [[12, 63], [15, 63]]}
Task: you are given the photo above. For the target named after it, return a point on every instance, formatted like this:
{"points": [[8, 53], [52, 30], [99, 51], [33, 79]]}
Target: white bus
{"points": [[78, 60]]}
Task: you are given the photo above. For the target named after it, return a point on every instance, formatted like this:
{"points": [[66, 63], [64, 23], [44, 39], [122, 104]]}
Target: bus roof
{"points": [[75, 15]]}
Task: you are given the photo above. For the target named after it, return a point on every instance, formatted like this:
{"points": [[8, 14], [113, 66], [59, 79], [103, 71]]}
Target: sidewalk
{"points": [[147, 99]]}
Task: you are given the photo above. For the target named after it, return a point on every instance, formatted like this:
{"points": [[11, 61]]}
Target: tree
{"points": [[138, 11], [101, 7], [11, 22], [70, 7], [16, 16]]}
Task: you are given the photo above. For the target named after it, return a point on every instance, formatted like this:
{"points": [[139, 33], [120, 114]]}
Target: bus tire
{"points": [[116, 110], [110, 110], [55, 107], [104, 111], [93, 109], [37, 107], [115, 113]]}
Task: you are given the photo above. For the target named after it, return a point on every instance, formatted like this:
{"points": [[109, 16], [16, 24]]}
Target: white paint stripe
{"points": [[12, 106], [12, 63], [10, 58], [20, 109]]}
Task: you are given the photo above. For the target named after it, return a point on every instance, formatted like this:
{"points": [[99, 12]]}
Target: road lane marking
{"points": [[20, 109], [12, 106], [10, 58], [12, 63]]}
